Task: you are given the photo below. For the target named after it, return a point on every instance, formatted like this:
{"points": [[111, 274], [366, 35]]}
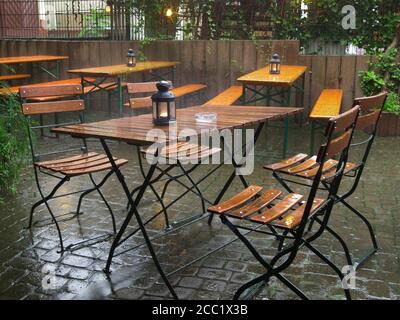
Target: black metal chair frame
{"points": [[61, 181], [298, 235], [356, 173]]}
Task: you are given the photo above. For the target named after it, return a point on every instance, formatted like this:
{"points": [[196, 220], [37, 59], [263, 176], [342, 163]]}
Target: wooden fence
{"points": [[215, 63]]}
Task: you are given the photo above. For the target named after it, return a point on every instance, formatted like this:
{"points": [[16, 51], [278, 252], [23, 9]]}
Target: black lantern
{"points": [[275, 64], [164, 111], [131, 58]]}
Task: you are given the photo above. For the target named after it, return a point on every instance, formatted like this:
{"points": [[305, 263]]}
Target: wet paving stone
{"points": [[31, 267]]}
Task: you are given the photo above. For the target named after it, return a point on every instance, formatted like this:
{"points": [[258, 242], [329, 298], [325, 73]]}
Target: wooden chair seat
{"points": [[328, 104], [226, 97], [182, 151], [302, 165], [15, 76], [80, 164], [267, 207], [145, 102]]}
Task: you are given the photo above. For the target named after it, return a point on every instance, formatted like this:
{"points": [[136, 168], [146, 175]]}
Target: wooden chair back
{"points": [[29, 109], [141, 88], [371, 109], [35, 108]]}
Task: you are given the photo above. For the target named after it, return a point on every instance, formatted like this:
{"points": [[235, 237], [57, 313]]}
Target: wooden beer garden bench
{"points": [[328, 105], [227, 97]]}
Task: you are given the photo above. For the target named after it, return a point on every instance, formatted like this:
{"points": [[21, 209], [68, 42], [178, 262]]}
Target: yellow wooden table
{"points": [[117, 72], [261, 85], [328, 105], [36, 59]]}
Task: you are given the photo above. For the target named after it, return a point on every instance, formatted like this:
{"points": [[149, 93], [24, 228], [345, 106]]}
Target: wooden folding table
{"points": [[261, 85], [118, 72]]}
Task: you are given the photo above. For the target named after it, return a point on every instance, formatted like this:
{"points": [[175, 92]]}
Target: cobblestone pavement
{"points": [[26, 256]]}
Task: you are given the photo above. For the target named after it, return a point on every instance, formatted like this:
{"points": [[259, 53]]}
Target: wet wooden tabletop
{"points": [[135, 129], [122, 69], [30, 59], [288, 76]]}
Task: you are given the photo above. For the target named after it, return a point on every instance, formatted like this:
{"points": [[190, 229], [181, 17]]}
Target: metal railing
{"points": [[68, 19]]}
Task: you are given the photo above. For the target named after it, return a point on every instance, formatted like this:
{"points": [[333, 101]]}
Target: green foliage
{"points": [[96, 24], [393, 103], [371, 83], [383, 73], [14, 145], [376, 20]]}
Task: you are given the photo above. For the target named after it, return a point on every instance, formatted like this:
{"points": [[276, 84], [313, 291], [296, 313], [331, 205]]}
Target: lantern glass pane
{"points": [[172, 110], [163, 109], [154, 110]]}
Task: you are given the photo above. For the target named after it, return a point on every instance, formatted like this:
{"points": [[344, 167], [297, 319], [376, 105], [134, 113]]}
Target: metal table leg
{"points": [[120, 98], [133, 211]]}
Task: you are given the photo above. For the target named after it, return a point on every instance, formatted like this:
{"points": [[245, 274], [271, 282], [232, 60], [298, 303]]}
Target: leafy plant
{"points": [[96, 24], [383, 73], [392, 103], [371, 83], [14, 145]]}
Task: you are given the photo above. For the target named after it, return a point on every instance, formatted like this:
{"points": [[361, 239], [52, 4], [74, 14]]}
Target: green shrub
{"points": [[392, 103], [371, 83], [14, 143], [374, 81]]}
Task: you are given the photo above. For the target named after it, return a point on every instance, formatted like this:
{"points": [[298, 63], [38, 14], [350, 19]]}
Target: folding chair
{"points": [[175, 155], [85, 163], [287, 217], [302, 166], [172, 152]]}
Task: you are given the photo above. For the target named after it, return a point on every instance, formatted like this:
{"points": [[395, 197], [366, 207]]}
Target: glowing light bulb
{"points": [[169, 12]]}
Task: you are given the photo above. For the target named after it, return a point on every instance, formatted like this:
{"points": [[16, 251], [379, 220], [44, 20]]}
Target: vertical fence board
{"points": [[236, 60], [198, 61], [63, 51], [306, 61], [278, 47], [223, 65], [211, 67], [318, 77], [291, 51], [347, 75], [249, 56], [361, 65], [198, 67], [332, 72]]}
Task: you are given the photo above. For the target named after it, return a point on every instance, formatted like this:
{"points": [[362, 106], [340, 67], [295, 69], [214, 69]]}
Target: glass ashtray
{"points": [[206, 117]]}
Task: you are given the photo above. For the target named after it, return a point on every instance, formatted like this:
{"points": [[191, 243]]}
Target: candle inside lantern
{"points": [[163, 110]]}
